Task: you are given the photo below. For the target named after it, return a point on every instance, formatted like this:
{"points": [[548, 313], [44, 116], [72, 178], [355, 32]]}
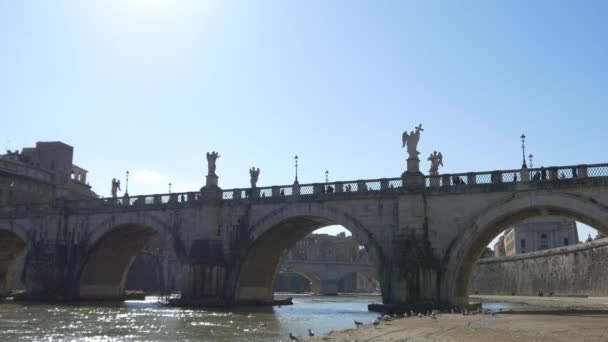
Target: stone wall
{"points": [[574, 270]]}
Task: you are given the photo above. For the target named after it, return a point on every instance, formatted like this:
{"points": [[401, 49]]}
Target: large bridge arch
{"points": [[466, 249], [114, 244], [273, 234]]}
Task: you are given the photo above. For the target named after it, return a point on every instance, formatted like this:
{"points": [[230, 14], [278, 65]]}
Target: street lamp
{"points": [[296, 159], [326, 176], [523, 151], [169, 187], [531, 157], [127, 185]]}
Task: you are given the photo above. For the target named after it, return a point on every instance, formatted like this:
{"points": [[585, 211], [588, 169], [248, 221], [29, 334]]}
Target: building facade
{"points": [[40, 174], [537, 234], [329, 248]]}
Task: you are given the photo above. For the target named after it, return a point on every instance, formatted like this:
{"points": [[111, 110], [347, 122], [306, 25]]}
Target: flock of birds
{"points": [[387, 318]]}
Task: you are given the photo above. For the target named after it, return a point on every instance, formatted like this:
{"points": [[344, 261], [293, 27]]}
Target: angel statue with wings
{"points": [[254, 173], [436, 160], [411, 140], [211, 158]]}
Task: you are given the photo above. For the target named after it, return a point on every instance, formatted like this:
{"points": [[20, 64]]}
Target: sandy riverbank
{"points": [[589, 323]]}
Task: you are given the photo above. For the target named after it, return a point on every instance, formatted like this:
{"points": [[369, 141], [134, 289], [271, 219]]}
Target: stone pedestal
{"points": [[413, 165], [434, 180], [211, 191], [211, 181], [413, 178]]}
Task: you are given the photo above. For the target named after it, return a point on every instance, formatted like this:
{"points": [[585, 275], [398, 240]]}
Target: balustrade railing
{"points": [[342, 188]]}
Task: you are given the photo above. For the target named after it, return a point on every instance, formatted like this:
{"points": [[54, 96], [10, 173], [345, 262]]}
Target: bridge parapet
{"points": [[471, 181]]}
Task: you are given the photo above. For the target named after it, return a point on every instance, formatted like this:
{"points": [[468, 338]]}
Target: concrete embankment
{"points": [[578, 270]]}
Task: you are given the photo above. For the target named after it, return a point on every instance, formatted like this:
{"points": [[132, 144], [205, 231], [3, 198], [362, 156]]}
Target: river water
{"points": [[149, 321]]}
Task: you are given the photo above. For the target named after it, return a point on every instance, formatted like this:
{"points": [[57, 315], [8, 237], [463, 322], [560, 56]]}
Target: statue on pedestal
{"points": [[254, 173], [211, 158], [115, 187], [436, 160], [411, 140]]}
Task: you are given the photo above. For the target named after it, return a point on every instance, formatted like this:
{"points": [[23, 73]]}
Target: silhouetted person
{"points": [[543, 173], [515, 178], [574, 173], [536, 176]]}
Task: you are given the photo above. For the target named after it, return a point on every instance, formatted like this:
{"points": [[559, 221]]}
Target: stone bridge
{"points": [[424, 234], [324, 276]]}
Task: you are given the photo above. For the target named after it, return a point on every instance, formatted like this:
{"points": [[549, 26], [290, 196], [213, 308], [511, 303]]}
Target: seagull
{"points": [[376, 322], [310, 333], [387, 318], [293, 338], [358, 324]]}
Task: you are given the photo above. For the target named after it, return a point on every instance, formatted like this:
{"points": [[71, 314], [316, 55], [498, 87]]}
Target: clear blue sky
{"points": [[151, 85]]}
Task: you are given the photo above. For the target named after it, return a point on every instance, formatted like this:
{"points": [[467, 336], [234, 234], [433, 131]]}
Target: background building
{"points": [[537, 234], [40, 174]]}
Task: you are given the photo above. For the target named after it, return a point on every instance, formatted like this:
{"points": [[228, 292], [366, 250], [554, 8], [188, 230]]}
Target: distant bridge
{"points": [[324, 276], [424, 233]]}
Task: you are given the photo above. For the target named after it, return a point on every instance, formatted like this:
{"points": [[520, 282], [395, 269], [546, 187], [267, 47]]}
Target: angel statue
{"points": [[436, 160], [115, 187], [254, 173], [211, 158], [411, 140]]}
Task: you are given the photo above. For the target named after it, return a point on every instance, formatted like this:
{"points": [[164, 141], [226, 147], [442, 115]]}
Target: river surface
{"points": [[149, 321]]}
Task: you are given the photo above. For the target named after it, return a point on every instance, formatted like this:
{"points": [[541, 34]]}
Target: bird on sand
{"points": [[358, 324], [293, 338], [310, 333]]}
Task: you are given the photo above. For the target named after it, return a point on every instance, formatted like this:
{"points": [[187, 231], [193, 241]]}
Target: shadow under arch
{"points": [[467, 249], [12, 248], [103, 274], [274, 234]]}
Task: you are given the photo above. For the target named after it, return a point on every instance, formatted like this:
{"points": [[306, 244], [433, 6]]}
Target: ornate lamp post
{"points": [[127, 185], [296, 160], [169, 187], [523, 151], [531, 156], [326, 176]]}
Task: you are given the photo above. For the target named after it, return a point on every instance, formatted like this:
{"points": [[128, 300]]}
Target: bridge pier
{"points": [[50, 272]]}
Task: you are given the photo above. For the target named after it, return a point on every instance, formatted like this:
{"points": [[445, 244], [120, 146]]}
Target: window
{"points": [[565, 241], [544, 242], [523, 243]]}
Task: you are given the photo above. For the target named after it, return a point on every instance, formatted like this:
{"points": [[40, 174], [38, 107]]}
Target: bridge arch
{"points": [[13, 246], [466, 249], [369, 275], [272, 235], [114, 245], [315, 281]]}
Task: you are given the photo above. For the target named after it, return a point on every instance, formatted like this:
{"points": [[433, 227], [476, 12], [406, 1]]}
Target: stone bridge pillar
{"points": [[49, 270]]}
